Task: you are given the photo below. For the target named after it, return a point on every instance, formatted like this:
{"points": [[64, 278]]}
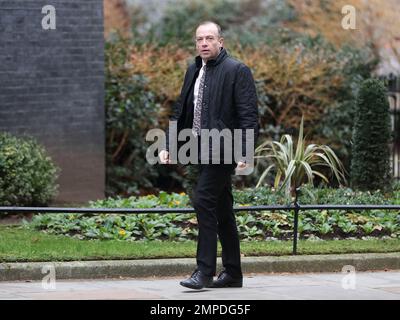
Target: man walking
{"points": [[218, 93]]}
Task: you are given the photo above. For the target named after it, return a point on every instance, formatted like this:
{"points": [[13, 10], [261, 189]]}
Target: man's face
{"points": [[208, 43]]}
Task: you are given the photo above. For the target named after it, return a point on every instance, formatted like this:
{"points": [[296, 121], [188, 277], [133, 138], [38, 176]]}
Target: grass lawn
{"points": [[19, 244]]}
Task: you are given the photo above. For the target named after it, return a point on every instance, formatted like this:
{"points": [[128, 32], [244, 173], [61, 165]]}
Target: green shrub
{"points": [[370, 165], [27, 173], [336, 125]]}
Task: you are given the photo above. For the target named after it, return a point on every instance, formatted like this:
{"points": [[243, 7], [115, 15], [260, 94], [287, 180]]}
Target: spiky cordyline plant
{"points": [[294, 167]]}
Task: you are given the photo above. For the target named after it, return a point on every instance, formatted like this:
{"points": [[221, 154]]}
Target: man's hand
{"points": [[243, 168], [164, 157], [241, 165]]}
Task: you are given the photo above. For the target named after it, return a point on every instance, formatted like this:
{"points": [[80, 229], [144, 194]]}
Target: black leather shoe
{"points": [[198, 280], [224, 280]]}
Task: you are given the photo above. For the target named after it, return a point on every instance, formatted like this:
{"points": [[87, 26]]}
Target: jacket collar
{"points": [[221, 57]]}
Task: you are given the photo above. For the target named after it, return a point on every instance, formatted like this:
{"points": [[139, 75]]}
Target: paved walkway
{"points": [[360, 285]]}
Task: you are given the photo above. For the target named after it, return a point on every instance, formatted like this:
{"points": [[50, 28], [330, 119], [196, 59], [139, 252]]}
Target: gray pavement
{"points": [[315, 286]]}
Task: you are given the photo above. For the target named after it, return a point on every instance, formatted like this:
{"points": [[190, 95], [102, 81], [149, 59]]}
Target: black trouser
{"points": [[213, 203]]}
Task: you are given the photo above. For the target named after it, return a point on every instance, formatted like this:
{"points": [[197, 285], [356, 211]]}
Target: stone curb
{"points": [[185, 266]]}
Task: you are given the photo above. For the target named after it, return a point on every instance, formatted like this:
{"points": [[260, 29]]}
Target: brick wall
{"points": [[52, 87]]}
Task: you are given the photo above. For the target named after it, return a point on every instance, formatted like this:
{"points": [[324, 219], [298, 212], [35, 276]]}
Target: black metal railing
{"points": [[296, 207]]}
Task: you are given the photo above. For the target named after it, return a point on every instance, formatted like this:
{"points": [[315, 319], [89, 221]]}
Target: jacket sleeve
{"points": [[177, 107], [245, 102]]}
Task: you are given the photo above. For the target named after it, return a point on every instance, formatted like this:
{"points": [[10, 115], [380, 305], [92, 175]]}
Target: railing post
{"points": [[296, 220]]}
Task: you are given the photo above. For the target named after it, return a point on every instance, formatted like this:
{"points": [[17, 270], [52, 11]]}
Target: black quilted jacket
{"points": [[229, 97]]}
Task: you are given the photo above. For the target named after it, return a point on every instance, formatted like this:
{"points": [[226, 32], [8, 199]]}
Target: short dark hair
{"points": [[214, 23]]}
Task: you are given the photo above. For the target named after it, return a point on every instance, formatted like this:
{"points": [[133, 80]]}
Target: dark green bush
{"points": [[370, 165], [27, 173], [337, 123]]}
